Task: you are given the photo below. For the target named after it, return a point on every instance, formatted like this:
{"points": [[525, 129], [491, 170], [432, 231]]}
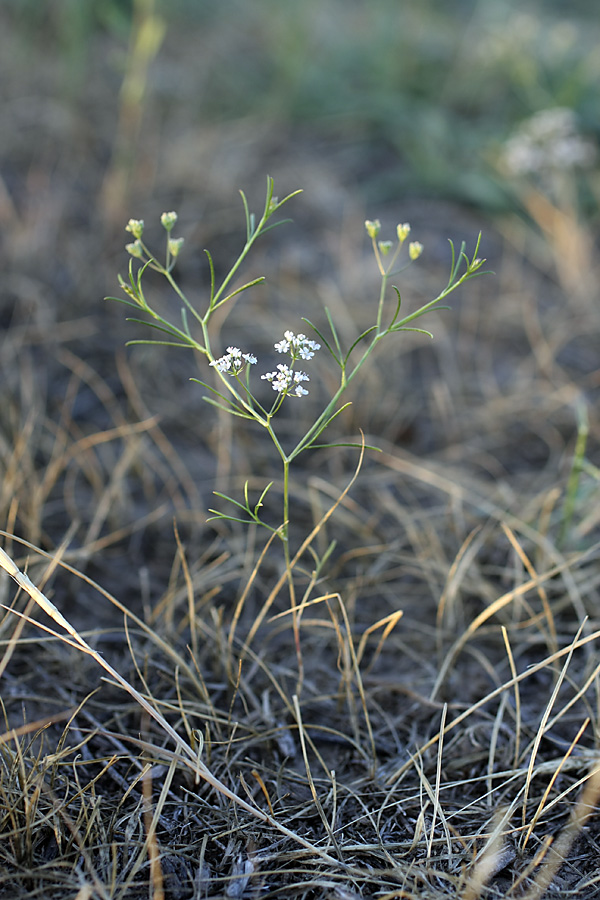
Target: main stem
{"points": [[289, 571]]}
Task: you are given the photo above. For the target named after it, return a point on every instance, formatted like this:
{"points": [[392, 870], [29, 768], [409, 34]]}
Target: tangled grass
{"points": [[443, 742]]}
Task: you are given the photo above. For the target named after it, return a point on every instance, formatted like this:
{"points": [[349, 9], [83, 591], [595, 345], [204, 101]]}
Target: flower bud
{"points": [[135, 249], [373, 228], [384, 247], [175, 245], [136, 227], [167, 220], [415, 249], [403, 232]]}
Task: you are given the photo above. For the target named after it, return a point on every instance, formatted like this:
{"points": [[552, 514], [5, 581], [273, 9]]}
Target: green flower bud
{"points": [[384, 247], [135, 249], [415, 249], [175, 245], [136, 227], [403, 232], [373, 228], [167, 220]]}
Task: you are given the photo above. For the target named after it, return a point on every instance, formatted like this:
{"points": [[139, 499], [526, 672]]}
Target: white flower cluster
{"points": [[297, 345], [233, 361], [286, 381], [549, 140]]}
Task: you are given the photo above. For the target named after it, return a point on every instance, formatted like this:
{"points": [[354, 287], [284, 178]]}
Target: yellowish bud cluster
{"points": [[373, 227], [415, 248], [136, 227]]}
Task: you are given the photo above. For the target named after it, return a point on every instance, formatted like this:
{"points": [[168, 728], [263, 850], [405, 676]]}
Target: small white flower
{"points": [[233, 361], [223, 364], [297, 345], [286, 380]]}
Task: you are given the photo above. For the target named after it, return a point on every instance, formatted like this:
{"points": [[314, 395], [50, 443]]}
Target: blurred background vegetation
{"points": [[416, 98], [403, 111]]}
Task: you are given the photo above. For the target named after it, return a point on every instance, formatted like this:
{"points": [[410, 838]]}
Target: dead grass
{"points": [[442, 743], [443, 738]]}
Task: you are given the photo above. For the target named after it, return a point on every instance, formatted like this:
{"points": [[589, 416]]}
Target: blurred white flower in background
{"points": [[548, 140]]}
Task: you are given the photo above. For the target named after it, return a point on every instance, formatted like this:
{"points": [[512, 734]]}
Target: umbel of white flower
{"points": [[287, 381], [233, 361], [297, 345]]}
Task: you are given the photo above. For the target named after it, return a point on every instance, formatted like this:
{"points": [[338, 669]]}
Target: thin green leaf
{"points": [[275, 225], [333, 332], [262, 496], [452, 264], [211, 389], [132, 280], [212, 277], [122, 300], [228, 409], [157, 343], [249, 217], [285, 199], [231, 500], [419, 330], [417, 315], [334, 416], [359, 339], [269, 198], [239, 290], [140, 273], [323, 338], [321, 561], [344, 444], [184, 320], [167, 328], [219, 515], [398, 305], [590, 469], [304, 446]]}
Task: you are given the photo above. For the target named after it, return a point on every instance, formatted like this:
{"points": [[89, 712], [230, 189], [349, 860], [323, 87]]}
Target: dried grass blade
{"points": [[189, 757]]}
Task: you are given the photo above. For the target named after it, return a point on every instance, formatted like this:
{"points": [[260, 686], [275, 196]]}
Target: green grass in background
{"points": [[427, 92]]}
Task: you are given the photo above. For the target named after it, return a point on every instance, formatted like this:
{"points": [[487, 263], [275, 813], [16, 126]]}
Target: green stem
{"points": [[382, 292], [329, 409], [346, 379], [286, 504]]}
